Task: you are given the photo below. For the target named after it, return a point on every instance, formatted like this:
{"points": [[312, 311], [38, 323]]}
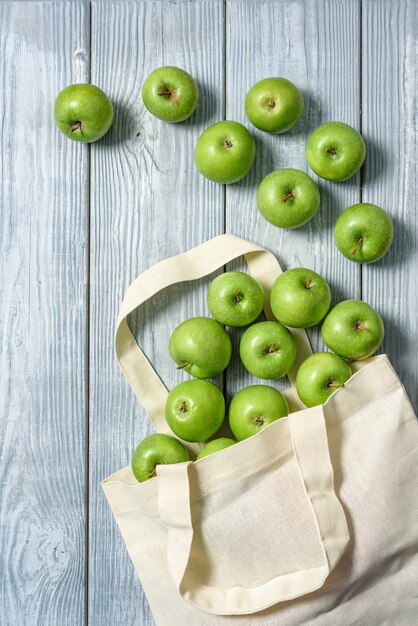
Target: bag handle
{"points": [[310, 447], [192, 265]]}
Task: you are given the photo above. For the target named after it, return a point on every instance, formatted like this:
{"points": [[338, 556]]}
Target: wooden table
{"points": [[79, 222]]}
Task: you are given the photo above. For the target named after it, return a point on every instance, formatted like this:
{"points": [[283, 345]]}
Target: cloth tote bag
{"points": [[311, 521]]}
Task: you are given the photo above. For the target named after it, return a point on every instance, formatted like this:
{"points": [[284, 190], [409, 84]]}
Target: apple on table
{"points": [[83, 112], [353, 329], [335, 151], [300, 298], [268, 350], [170, 94], [201, 347], [235, 299], [363, 233], [225, 152], [274, 104], [288, 198]]}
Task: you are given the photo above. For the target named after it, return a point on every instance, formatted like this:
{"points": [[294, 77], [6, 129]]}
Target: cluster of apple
{"points": [[299, 298], [225, 152], [288, 198]]}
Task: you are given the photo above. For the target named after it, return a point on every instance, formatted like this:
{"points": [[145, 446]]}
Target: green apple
{"points": [[353, 329], [83, 112], [214, 446], [363, 233], [225, 152], [255, 407], [274, 105], [195, 410], [155, 450], [300, 298], [335, 151], [268, 350], [170, 94], [200, 346], [235, 298], [288, 198], [319, 376]]}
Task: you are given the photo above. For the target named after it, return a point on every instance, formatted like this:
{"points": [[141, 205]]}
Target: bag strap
{"points": [[192, 265], [310, 448]]}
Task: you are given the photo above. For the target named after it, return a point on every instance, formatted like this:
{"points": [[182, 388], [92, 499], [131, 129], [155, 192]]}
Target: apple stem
{"points": [[238, 296], [270, 104], [309, 284], [76, 126], [357, 246], [288, 196], [333, 384], [171, 94], [272, 348], [361, 326], [165, 91], [183, 365]]}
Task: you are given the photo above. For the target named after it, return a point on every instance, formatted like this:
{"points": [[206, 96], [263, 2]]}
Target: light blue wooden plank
{"points": [[316, 45], [148, 202], [390, 126], [43, 204]]}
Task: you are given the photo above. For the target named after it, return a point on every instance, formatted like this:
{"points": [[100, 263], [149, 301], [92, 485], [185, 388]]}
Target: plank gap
{"points": [[361, 119], [87, 434]]}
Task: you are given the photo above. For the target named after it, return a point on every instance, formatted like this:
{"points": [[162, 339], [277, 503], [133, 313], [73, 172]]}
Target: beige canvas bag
{"points": [[311, 521]]}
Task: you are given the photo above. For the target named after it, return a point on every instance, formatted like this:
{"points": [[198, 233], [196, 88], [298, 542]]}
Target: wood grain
{"points": [[316, 45], [43, 204], [147, 202], [354, 61], [390, 127]]}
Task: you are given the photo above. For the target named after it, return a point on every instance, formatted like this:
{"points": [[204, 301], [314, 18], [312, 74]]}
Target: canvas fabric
{"points": [[313, 521]]}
